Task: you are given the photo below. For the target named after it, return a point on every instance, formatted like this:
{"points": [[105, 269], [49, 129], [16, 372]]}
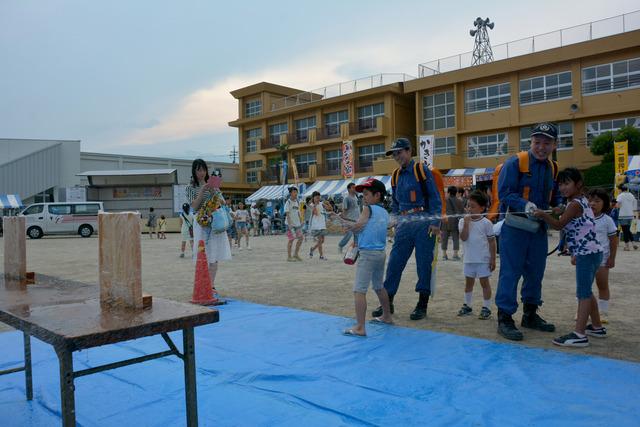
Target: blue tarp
{"points": [[266, 366]]}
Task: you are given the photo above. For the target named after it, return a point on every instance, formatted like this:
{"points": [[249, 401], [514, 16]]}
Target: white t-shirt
{"points": [[317, 221], [627, 204], [255, 214], [292, 210], [605, 228], [266, 223], [476, 247], [242, 215]]}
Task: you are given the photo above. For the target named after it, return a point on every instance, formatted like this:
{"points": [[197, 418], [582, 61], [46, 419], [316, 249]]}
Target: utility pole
{"points": [[233, 155]]}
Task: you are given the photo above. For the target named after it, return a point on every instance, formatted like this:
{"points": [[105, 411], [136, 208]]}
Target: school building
{"points": [[478, 115]]}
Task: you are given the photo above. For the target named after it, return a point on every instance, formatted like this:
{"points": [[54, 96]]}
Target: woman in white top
{"points": [[627, 205], [317, 224], [202, 190]]}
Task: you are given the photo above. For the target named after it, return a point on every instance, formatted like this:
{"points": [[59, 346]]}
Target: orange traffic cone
{"points": [[203, 290]]}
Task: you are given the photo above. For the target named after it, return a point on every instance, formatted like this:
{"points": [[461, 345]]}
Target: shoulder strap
{"points": [[523, 166], [421, 177], [394, 177]]}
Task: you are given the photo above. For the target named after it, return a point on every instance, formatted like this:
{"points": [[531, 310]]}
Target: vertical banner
{"points": [[347, 159], [425, 144], [294, 170], [621, 156]]}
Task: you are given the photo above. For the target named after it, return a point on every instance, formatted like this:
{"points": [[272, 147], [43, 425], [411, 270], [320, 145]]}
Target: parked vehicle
{"points": [[62, 218]]}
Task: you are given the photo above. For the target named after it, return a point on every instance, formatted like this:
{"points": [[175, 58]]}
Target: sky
{"points": [[152, 77]]}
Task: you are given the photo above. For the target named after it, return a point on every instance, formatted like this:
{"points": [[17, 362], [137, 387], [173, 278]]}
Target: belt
{"points": [[410, 211]]}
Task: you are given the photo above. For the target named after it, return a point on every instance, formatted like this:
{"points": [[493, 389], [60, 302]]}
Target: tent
{"points": [[10, 201], [339, 186], [273, 192]]}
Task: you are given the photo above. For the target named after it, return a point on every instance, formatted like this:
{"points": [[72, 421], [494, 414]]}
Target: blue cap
{"points": [[399, 144]]}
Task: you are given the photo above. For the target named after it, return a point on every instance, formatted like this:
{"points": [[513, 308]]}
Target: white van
{"points": [[62, 218]]}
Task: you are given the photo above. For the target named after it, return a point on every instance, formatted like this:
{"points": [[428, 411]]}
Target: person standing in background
{"points": [[627, 204], [350, 212], [455, 208]]}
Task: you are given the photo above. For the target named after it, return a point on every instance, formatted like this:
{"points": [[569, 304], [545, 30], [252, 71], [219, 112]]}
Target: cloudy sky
{"points": [[153, 77]]}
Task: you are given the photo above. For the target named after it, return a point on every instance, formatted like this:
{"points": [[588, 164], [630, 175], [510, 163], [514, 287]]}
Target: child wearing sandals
{"points": [[579, 224], [607, 235], [372, 239], [479, 244]]}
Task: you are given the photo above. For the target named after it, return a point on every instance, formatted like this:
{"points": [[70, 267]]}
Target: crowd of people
{"points": [[533, 195]]}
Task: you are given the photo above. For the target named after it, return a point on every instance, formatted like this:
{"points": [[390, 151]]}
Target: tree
{"points": [[602, 175]]}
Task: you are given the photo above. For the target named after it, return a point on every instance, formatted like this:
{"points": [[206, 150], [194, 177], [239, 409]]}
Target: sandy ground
{"points": [[262, 275]]}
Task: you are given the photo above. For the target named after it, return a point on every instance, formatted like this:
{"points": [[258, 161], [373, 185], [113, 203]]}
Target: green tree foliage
{"points": [[603, 174]]}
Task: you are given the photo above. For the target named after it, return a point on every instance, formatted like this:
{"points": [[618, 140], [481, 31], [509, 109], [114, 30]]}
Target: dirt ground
{"points": [[262, 275]]}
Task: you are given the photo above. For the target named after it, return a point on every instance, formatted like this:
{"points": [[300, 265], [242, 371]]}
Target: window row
{"points": [[610, 77]]}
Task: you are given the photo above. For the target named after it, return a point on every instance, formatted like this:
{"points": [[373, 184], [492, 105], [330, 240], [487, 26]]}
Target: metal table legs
{"points": [[27, 366], [67, 388], [191, 399], [28, 382], [67, 376]]}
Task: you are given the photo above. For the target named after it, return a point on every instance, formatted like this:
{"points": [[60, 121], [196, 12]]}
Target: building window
{"points": [[438, 111], [275, 131], [445, 145], [252, 137], [302, 128], [487, 98], [252, 177], [256, 164], [332, 122], [487, 145], [304, 160], [596, 128], [369, 153], [545, 88], [609, 77], [333, 160], [253, 108], [367, 116], [565, 136]]}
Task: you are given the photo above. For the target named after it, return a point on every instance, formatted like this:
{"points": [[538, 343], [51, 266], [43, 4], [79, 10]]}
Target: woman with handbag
{"points": [[211, 216], [186, 228]]}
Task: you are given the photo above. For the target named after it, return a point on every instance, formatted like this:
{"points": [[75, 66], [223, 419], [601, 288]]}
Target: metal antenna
{"points": [[482, 52], [233, 155]]}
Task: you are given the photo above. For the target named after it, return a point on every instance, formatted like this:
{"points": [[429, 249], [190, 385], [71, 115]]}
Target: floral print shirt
{"points": [[581, 231]]}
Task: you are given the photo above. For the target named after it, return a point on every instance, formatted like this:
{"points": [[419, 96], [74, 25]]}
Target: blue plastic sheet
{"points": [[266, 366]]}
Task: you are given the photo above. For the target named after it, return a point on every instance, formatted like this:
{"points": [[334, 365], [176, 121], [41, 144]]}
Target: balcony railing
{"points": [[339, 89], [363, 126], [328, 132], [566, 36], [325, 170], [274, 140]]}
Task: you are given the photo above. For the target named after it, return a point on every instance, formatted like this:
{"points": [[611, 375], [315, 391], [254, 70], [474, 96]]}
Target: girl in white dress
{"points": [[202, 191]]}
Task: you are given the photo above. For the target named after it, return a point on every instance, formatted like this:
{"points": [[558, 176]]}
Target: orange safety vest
{"points": [[523, 166], [421, 177]]}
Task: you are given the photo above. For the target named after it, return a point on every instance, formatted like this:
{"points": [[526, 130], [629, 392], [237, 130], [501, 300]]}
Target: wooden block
{"points": [[15, 247], [120, 256], [147, 301]]}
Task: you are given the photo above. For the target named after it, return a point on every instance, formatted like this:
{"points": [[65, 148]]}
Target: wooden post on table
{"points": [[120, 260], [15, 248]]}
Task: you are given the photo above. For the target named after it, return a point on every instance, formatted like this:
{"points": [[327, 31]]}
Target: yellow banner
{"points": [[621, 158], [294, 169]]}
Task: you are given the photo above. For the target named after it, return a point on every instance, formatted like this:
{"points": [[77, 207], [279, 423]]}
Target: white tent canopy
{"points": [[339, 186]]}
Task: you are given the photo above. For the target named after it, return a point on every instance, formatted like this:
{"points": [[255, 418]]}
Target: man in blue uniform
{"points": [[523, 247], [413, 201]]}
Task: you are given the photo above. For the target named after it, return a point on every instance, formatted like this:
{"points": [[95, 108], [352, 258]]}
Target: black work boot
{"points": [[531, 320], [420, 312], [378, 311], [507, 327]]}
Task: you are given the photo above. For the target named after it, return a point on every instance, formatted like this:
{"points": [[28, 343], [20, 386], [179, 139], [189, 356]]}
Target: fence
{"points": [[566, 36], [340, 89]]}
